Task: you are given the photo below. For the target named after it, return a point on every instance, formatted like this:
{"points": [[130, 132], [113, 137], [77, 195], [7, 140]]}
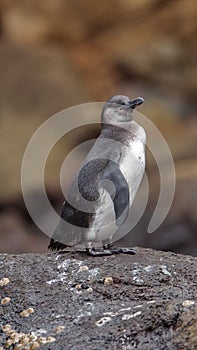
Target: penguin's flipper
{"points": [[120, 199]]}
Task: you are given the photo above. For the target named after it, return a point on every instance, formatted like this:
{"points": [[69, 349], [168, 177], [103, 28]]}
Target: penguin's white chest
{"points": [[132, 165]]}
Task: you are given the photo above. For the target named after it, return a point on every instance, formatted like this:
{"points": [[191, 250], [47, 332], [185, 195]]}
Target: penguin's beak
{"points": [[135, 103]]}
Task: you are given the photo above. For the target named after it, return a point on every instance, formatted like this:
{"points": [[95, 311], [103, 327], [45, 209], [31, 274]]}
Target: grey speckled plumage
{"points": [[103, 190]]}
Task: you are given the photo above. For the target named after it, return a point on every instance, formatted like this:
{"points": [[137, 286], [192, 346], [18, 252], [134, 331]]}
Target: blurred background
{"points": [[59, 53]]}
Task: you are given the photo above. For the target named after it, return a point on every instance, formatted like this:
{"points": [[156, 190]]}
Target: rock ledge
{"points": [[146, 301]]}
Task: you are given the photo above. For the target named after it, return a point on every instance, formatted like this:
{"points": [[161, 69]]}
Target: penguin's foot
{"points": [[130, 251], [98, 252], [124, 250]]}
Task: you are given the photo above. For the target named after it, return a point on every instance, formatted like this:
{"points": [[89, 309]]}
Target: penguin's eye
{"points": [[119, 100], [121, 103]]}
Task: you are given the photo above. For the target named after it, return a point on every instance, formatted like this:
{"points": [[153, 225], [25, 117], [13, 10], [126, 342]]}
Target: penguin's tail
{"points": [[55, 245]]}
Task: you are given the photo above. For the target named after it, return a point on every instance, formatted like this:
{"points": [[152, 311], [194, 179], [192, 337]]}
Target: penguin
{"points": [[103, 190]]}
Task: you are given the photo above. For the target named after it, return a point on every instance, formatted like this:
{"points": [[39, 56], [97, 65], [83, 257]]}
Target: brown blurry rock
{"points": [[149, 40], [154, 44], [62, 21], [35, 84], [17, 237]]}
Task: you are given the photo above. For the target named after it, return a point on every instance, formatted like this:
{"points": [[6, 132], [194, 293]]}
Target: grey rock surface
{"points": [[72, 301]]}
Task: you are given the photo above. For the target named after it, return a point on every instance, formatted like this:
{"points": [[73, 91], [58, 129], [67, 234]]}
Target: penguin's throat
{"points": [[124, 118], [120, 119]]}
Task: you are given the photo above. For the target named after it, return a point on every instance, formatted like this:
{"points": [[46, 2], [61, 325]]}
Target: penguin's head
{"points": [[120, 108]]}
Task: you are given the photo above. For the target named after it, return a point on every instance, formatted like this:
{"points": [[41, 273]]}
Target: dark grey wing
{"points": [[75, 219], [121, 196], [94, 173]]}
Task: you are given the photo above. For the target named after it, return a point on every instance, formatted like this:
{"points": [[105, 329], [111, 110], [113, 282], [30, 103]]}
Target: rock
{"points": [[17, 236], [143, 48], [35, 84], [39, 22], [151, 303], [151, 41]]}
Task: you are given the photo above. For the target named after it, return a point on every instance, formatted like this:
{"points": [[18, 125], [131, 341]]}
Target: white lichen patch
{"points": [[136, 275], [128, 317], [65, 264], [121, 311], [164, 270], [108, 316], [4, 281], [68, 271], [62, 277], [138, 306], [138, 280], [74, 263], [148, 268], [151, 302], [110, 313], [57, 257], [188, 303], [82, 314], [94, 272], [38, 332], [59, 316], [125, 309], [102, 321], [140, 272]]}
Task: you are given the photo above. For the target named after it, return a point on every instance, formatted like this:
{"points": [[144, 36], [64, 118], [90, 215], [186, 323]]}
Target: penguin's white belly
{"points": [[132, 165], [104, 224]]}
